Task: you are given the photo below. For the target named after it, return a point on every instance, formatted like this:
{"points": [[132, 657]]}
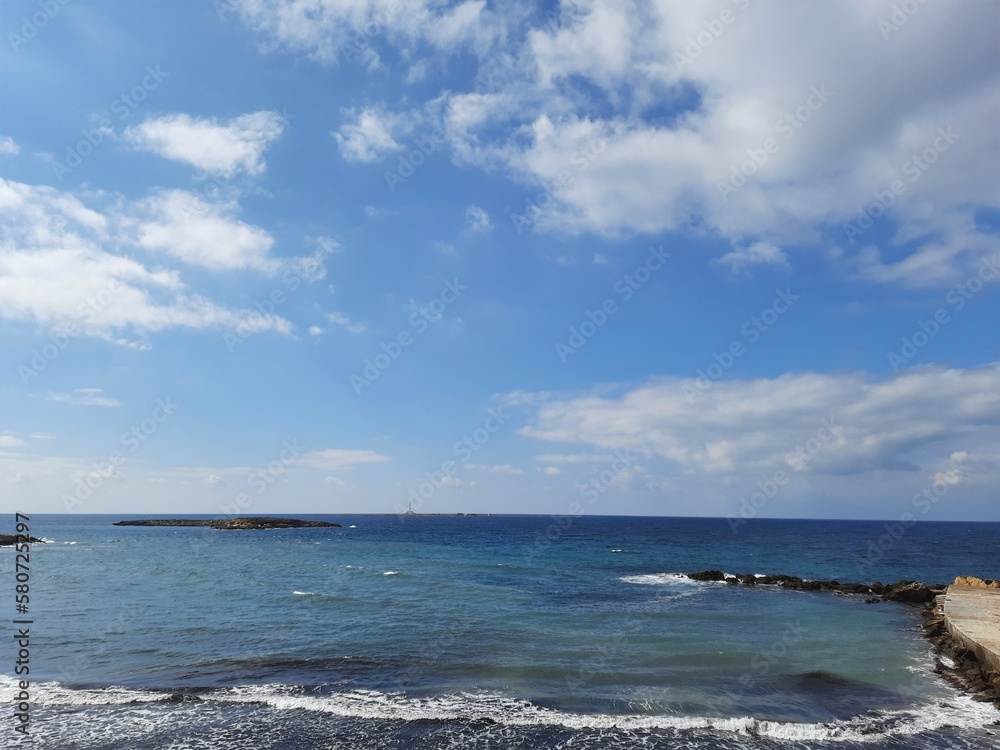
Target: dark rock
{"points": [[707, 575], [910, 592], [256, 522], [166, 522], [9, 540], [271, 523]]}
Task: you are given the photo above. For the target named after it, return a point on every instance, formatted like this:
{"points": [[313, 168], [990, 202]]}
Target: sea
{"points": [[484, 632]]}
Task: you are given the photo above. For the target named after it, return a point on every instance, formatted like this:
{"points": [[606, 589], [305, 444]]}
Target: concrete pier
{"points": [[972, 618]]}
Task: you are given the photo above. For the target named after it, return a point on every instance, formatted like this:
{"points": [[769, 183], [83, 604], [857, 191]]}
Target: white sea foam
{"points": [[390, 573], [662, 579], [304, 593], [352, 526], [958, 713]]}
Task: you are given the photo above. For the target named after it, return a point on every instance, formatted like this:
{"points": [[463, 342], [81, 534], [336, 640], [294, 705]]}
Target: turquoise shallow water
{"points": [[489, 632]]}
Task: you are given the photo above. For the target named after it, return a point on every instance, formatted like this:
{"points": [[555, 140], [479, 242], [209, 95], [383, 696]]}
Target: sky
{"points": [[734, 258]]}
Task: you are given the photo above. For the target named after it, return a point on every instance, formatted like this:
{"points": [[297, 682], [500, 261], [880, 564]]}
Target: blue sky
{"points": [[586, 257]]}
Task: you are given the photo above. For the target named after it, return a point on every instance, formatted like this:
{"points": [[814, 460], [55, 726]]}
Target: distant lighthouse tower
{"points": [[409, 508]]}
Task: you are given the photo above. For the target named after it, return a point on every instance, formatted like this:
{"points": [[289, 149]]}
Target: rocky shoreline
{"points": [[227, 524], [909, 592], [9, 540], [965, 671]]}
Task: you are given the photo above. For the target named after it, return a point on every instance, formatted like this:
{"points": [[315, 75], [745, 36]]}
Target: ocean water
{"points": [[487, 632]]}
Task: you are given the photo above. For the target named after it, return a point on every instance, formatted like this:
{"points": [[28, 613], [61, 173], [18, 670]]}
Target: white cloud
{"points": [[203, 234], [327, 29], [479, 220], [216, 148], [742, 260], [602, 108], [370, 134], [85, 397], [315, 331], [755, 426], [9, 441], [7, 146], [575, 458], [337, 459], [624, 129], [55, 271], [214, 479], [550, 471], [342, 320], [495, 468]]}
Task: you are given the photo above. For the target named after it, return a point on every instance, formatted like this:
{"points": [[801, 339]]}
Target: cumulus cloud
{"points": [[7, 146], [368, 133], [327, 30], [218, 148], [9, 441], [632, 118], [204, 234], [55, 271], [846, 424]]}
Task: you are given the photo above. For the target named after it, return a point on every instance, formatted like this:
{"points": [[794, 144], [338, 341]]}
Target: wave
{"points": [[957, 714], [663, 579]]}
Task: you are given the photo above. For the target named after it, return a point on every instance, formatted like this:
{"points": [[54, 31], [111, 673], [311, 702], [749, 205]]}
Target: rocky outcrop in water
{"points": [[9, 540], [250, 523], [908, 592]]}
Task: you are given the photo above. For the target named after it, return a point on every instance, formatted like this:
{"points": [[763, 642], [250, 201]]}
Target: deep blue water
{"points": [[489, 632]]}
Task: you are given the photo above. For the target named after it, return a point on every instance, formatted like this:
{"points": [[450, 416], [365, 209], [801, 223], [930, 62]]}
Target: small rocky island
{"points": [[250, 523]]}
